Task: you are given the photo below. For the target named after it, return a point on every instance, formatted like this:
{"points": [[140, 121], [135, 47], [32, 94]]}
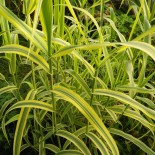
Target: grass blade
{"points": [[126, 100], [74, 139], [118, 109], [80, 80], [98, 143], [22, 119], [52, 148], [69, 152], [7, 89], [89, 113], [78, 133], [32, 104], [21, 50], [134, 140], [20, 25]]}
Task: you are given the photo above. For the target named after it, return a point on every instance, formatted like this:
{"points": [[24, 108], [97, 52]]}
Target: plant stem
{"points": [[92, 95]]}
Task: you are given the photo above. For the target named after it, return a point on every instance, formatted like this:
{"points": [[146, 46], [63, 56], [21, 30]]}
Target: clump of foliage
{"points": [[77, 78], [124, 24]]}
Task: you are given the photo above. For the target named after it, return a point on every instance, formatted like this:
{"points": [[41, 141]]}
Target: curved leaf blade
{"points": [[145, 47], [21, 50], [134, 140], [22, 119], [98, 143], [19, 24], [69, 152], [79, 132], [89, 113], [75, 140], [52, 148], [7, 89], [132, 114], [32, 104], [80, 80], [127, 100]]}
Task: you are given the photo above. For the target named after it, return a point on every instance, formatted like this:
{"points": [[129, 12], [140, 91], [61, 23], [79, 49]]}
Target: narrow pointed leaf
{"points": [[22, 119], [46, 17], [80, 80], [7, 89], [21, 50], [126, 100], [19, 24], [75, 140], [31, 104], [89, 113], [52, 148], [118, 109], [78, 133], [98, 143], [145, 47], [21, 123], [69, 152], [134, 140]]}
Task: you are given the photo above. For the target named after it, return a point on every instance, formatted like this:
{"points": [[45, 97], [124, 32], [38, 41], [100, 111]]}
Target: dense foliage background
{"points": [[77, 77]]}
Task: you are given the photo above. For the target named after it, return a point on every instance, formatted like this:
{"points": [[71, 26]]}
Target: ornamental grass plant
{"points": [[75, 78]]}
